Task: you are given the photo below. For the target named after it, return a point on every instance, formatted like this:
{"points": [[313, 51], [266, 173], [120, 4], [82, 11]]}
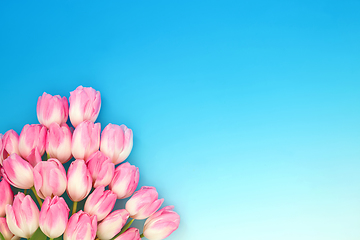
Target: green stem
{"points": [[2, 237], [124, 229], [51, 239], [47, 156], [25, 191], [37, 197], [74, 207], [142, 235]]}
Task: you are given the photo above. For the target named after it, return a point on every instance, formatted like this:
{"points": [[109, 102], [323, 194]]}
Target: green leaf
{"points": [[38, 235], [2, 237]]}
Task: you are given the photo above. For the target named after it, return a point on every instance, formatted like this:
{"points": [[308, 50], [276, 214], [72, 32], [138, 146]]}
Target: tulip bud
{"points": [[54, 216], [32, 137], [130, 234], [116, 142], [81, 226], [58, 142], [100, 203], [85, 104], [101, 169], [5, 231], [23, 216], [143, 203], [50, 178], [161, 224], [112, 224], [52, 109], [85, 140], [125, 180], [18, 172], [10, 144], [79, 180], [6, 196]]}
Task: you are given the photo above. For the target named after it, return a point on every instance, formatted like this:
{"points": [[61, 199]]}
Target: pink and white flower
{"points": [[116, 142], [85, 103], [81, 226], [79, 180], [143, 203], [130, 234], [125, 180], [52, 109], [161, 224], [6, 196], [85, 140], [58, 142], [23, 216], [54, 216], [100, 203], [112, 224], [18, 172], [101, 169], [50, 178], [32, 138], [10, 144]]}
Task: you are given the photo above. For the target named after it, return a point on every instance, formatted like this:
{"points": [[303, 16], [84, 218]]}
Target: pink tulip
{"points": [[6, 196], [116, 142], [143, 203], [4, 229], [85, 104], [130, 234], [100, 203], [81, 226], [125, 180], [112, 224], [79, 180], [54, 216], [85, 140], [18, 172], [10, 144], [32, 137], [161, 224], [50, 178], [58, 142], [101, 169], [23, 216], [52, 109]]}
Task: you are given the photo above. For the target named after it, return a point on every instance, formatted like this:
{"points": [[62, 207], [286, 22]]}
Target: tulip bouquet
{"points": [[34, 160]]}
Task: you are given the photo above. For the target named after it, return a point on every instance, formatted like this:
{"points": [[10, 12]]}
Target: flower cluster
{"points": [[93, 176]]}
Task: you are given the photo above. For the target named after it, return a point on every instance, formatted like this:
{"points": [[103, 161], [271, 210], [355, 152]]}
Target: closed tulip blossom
{"points": [[6, 196], [161, 224], [130, 234], [5, 231], [32, 142], [100, 203], [23, 216], [81, 226], [125, 180], [54, 216], [79, 181], [10, 144], [58, 142], [101, 169], [52, 109], [143, 203], [112, 224], [85, 103], [116, 142], [85, 140], [18, 172], [50, 178]]}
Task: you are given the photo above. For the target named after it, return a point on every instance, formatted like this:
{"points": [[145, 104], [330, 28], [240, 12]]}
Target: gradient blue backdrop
{"points": [[245, 115]]}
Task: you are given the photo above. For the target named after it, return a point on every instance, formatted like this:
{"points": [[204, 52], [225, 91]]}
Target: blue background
{"points": [[245, 115]]}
